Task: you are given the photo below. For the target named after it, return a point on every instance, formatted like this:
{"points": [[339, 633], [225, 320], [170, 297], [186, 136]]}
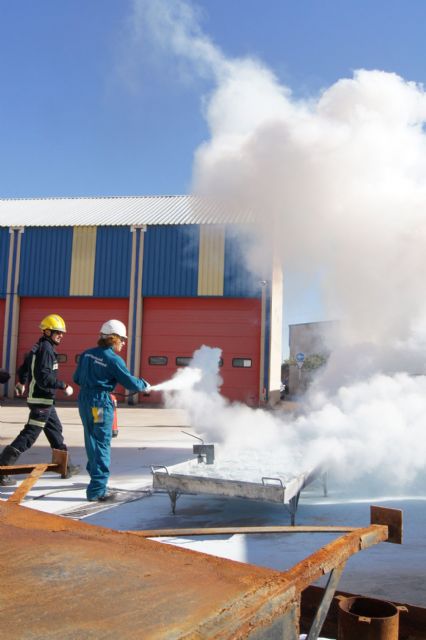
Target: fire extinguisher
{"points": [[115, 420]]}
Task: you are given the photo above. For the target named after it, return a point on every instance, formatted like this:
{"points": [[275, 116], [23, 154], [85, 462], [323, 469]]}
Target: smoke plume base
{"points": [[370, 431]]}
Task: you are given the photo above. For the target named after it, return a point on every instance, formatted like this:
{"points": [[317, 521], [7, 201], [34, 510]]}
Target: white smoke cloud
{"points": [[340, 180], [172, 29], [369, 429]]}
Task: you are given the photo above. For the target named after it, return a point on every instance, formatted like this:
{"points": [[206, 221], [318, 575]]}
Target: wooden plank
{"points": [[60, 458], [28, 483], [58, 465], [218, 531], [23, 469]]}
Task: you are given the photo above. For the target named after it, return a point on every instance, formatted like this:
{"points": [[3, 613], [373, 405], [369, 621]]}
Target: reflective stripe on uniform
{"points": [[45, 401], [32, 383], [37, 423], [31, 399]]}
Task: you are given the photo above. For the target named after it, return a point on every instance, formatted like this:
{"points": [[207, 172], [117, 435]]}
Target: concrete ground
{"points": [[147, 436], [155, 436]]}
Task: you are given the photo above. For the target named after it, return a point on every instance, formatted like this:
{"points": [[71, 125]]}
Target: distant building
{"points": [[309, 338], [169, 267]]}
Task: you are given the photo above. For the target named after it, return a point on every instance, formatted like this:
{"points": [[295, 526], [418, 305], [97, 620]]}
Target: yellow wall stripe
{"points": [[211, 260], [83, 261]]}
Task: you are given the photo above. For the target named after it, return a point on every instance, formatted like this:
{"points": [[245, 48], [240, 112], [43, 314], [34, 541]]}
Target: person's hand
{"points": [[19, 389], [68, 390], [147, 389]]}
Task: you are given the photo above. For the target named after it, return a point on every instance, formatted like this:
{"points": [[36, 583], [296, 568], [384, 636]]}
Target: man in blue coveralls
{"points": [[98, 371]]}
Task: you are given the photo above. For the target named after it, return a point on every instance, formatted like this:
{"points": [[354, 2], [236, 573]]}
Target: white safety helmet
{"points": [[114, 327]]}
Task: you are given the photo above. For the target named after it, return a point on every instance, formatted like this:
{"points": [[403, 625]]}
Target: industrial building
{"points": [[170, 267], [311, 339]]}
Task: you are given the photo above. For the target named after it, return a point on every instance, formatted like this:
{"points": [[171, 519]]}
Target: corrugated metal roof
{"points": [[117, 211]]}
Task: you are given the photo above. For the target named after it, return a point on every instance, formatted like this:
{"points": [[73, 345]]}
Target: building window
{"points": [[220, 362], [77, 357], [62, 357], [158, 360], [241, 362], [183, 361]]}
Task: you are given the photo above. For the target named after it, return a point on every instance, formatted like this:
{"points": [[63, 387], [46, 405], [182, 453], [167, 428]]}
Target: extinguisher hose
{"points": [[127, 395]]}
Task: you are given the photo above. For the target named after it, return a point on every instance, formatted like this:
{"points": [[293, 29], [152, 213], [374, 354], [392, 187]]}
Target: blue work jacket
{"points": [[100, 369]]}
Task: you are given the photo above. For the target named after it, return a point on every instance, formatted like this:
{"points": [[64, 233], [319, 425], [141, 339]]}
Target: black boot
{"points": [[8, 457], [109, 496]]}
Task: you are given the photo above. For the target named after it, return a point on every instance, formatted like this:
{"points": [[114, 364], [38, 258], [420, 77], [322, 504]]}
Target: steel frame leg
{"points": [[173, 495], [322, 610], [324, 484], [292, 507]]}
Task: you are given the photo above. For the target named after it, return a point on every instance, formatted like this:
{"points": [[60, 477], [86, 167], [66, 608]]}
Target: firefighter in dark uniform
{"points": [[40, 371]]}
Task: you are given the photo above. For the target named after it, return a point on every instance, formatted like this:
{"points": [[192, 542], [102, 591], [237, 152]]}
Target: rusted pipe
{"points": [[367, 618]]}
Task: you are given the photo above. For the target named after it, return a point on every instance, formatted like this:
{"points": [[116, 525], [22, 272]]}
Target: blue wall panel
{"points": [[4, 257], [239, 281], [113, 262], [45, 261], [170, 265]]}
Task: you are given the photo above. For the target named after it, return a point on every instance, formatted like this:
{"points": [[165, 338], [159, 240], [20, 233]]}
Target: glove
{"points": [[68, 390], [147, 389], [19, 389]]}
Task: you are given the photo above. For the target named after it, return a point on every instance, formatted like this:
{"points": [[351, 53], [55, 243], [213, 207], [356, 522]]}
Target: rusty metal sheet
{"points": [[75, 580], [66, 579], [390, 517]]}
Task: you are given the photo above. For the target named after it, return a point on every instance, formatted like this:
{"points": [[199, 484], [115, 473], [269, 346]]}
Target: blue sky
{"points": [[71, 124], [86, 110]]}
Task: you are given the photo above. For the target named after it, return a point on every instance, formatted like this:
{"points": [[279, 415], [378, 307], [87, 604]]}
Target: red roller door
{"points": [[83, 317], [175, 327], [2, 310]]}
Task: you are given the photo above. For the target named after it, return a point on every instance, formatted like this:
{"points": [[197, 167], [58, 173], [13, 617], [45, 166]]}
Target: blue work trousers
{"points": [[97, 415]]}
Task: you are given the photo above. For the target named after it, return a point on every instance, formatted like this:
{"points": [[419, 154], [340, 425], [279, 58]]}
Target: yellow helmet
{"points": [[53, 322]]}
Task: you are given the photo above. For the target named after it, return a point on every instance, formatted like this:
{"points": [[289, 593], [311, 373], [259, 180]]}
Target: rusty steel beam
{"points": [[334, 554]]}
